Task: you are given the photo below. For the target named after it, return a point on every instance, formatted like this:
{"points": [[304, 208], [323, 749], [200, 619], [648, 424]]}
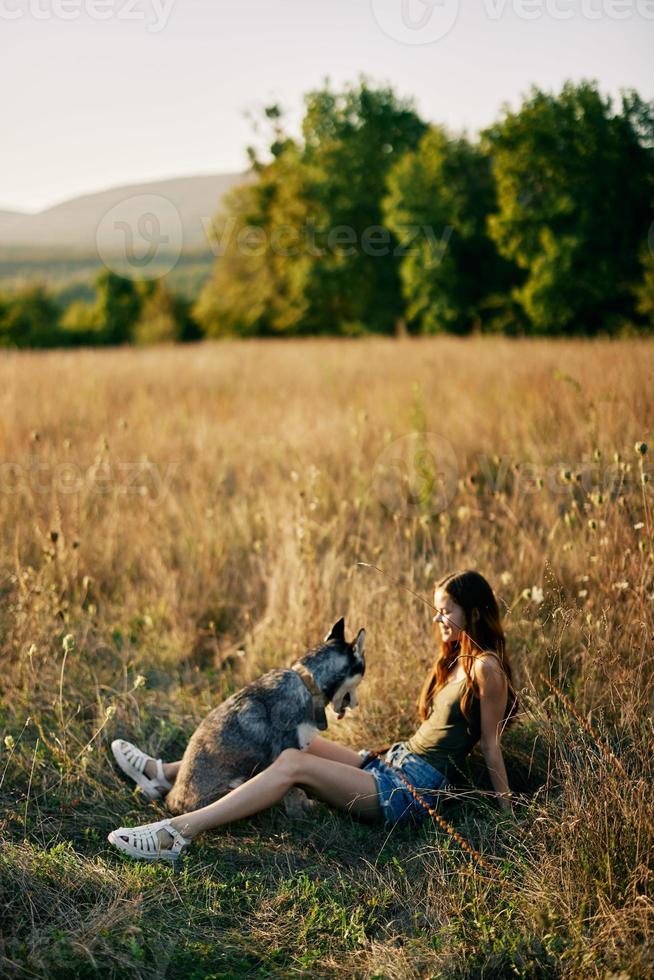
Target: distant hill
{"points": [[8, 219], [73, 223]]}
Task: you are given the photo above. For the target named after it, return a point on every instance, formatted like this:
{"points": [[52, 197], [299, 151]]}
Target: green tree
{"points": [[351, 140], [112, 317], [164, 317], [573, 190], [81, 323], [303, 245], [117, 306], [257, 286], [644, 289], [30, 318], [439, 198]]}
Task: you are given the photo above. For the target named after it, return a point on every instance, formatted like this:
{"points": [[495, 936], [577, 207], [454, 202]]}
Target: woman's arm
{"points": [[495, 763], [324, 749], [493, 687]]}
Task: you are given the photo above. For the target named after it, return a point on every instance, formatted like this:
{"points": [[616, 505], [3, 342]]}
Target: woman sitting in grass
{"points": [[467, 698]]}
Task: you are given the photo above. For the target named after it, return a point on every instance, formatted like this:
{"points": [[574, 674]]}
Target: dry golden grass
{"points": [[194, 516]]}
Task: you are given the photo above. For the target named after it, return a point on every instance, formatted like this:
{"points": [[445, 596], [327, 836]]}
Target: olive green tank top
{"points": [[443, 739]]}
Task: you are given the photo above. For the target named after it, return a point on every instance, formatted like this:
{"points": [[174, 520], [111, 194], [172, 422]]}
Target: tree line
{"points": [[373, 220], [123, 311]]}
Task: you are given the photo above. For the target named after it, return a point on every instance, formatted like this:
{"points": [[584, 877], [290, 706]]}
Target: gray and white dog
{"points": [[283, 709]]}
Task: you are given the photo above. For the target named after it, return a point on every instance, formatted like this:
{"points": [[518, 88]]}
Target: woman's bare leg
{"points": [[320, 747], [343, 786], [170, 770], [325, 749]]}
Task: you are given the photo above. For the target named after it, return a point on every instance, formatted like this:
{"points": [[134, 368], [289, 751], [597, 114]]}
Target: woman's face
{"points": [[449, 615]]}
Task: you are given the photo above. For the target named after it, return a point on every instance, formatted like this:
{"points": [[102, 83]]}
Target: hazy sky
{"points": [[103, 92]]}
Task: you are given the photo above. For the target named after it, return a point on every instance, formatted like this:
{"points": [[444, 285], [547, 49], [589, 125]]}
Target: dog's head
{"points": [[338, 667], [345, 695]]}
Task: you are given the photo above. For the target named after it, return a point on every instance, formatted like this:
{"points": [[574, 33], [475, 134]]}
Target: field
{"points": [[194, 516]]}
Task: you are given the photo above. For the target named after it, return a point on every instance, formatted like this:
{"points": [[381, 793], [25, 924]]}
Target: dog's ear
{"points": [[337, 631], [359, 644]]}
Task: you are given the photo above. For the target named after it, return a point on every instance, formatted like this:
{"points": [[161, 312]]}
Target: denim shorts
{"points": [[399, 807]]}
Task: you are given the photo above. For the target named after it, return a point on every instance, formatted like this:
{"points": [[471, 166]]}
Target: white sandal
{"points": [[133, 762], [143, 842]]}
